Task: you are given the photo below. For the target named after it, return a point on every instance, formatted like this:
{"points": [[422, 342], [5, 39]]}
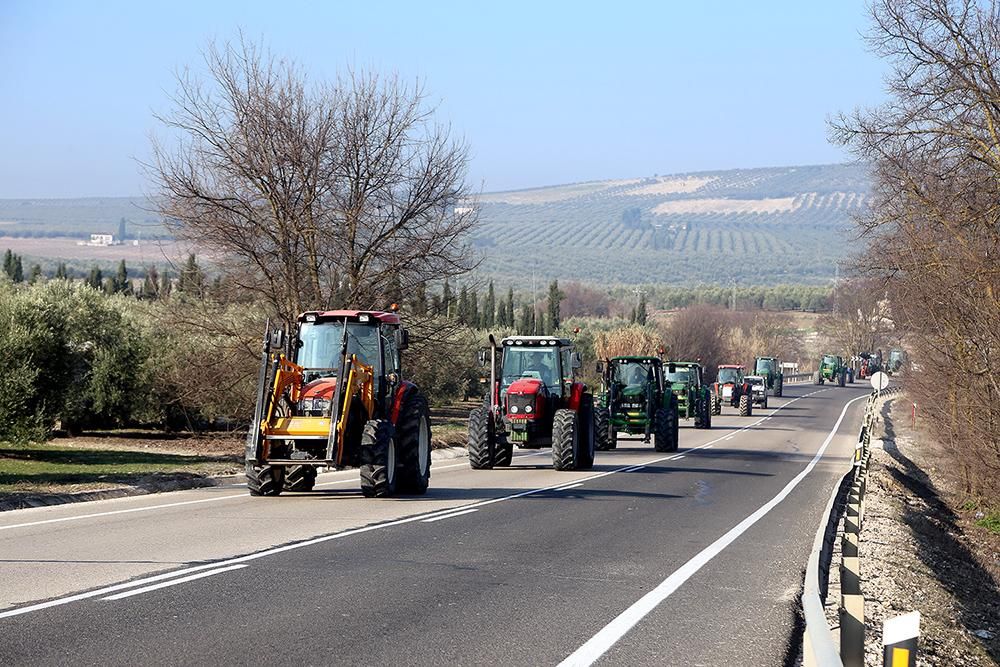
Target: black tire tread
{"points": [[564, 430], [411, 480], [480, 454], [375, 442]]}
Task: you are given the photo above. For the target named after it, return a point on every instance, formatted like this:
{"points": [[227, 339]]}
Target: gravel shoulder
{"points": [[921, 550]]}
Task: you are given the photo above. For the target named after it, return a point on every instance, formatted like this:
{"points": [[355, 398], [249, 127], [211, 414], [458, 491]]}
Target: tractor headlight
{"points": [[513, 409], [527, 408]]}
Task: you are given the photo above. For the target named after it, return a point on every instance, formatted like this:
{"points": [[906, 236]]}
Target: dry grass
{"points": [[669, 186]]}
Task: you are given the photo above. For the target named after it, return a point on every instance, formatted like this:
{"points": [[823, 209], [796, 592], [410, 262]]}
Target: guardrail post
{"points": [[852, 630], [900, 636]]}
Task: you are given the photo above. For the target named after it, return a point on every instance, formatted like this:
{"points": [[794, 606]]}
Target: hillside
{"points": [[759, 226], [752, 226]]}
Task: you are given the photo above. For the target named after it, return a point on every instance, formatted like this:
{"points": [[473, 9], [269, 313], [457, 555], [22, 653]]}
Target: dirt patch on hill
{"points": [[779, 205]]}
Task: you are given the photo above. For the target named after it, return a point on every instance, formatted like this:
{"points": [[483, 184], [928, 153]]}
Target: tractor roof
{"points": [[685, 363], [536, 341], [730, 366], [321, 315], [644, 359]]}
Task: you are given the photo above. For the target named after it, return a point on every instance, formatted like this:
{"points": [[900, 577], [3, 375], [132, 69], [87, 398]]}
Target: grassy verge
{"points": [[55, 468]]}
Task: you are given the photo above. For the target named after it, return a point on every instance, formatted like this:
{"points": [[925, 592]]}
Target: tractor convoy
{"points": [[331, 395], [832, 369]]}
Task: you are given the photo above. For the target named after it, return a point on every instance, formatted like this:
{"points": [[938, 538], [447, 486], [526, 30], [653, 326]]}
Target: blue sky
{"points": [[544, 93]]}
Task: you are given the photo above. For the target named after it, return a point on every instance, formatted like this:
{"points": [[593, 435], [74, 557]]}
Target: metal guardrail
{"points": [[819, 648]]}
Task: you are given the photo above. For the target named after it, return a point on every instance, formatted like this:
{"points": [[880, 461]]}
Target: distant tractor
{"points": [[332, 396], [831, 369], [534, 401], [758, 389], [770, 369], [731, 387], [636, 401], [897, 358], [687, 382]]}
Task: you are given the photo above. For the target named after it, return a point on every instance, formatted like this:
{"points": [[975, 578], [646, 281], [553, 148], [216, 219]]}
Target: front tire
{"points": [[602, 429], [378, 459], [265, 480], [586, 441], [565, 435], [665, 434], [746, 406], [414, 436], [481, 445], [300, 478]]}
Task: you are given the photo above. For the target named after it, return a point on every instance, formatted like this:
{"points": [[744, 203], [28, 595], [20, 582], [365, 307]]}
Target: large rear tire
{"points": [[779, 386], [586, 440], [378, 459], [841, 378], [565, 434], [664, 427], [746, 406], [265, 480], [413, 434], [481, 445], [716, 404]]}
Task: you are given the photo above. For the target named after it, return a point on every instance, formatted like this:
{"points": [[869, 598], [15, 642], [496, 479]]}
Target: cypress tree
{"points": [[36, 273], [489, 308], [96, 278], [166, 285], [151, 285], [446, 299], [8, 264], [555, 296], [418, 304], [61, 272], [121, 283], [18, 276], [640, 313], [463, 306]]}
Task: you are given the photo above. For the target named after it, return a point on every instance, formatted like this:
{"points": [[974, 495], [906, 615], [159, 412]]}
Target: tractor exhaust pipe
{"points": [[493, 372]]}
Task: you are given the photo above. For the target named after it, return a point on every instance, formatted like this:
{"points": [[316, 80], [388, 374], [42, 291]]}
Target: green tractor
{"points": [[694, 399], [770, 369], [635, 400], [831, 369]]}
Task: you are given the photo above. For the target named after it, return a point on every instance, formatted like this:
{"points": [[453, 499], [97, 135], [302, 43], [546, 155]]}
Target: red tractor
{"points": [[731, 387], [534, 401]]}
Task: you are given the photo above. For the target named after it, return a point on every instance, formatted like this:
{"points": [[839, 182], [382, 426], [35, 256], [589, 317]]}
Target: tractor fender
{"points": [[576, 395], [405, 387]]}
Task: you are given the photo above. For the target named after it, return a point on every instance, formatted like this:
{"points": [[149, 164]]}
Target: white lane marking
{"points": [[729, 438], [678, 457], [149, 508], [448, 516], [571, 486], [326, 538], [174, 582], [609, 635]]}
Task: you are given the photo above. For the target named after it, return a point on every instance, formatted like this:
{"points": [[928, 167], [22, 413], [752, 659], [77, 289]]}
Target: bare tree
{"points": [[935, 154], [861, 320], [312, 196]]}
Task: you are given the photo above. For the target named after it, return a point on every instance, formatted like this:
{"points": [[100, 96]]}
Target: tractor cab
{"points": [[634, 401], [731, 375]]}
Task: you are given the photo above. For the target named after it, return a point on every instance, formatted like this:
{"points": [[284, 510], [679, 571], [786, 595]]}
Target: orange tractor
{"points": [[331, 395]]}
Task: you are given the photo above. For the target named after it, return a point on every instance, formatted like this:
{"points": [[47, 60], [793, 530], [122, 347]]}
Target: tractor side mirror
{"points": [[576, 361], [482, 356], [277, 339], [402, 338], [599, 368]]}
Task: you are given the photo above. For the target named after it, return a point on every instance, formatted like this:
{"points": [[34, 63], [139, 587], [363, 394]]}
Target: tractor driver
{"points": [[544, 364], [362, 341]]}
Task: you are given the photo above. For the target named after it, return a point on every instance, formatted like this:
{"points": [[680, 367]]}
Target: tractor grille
{"points": [[520, 406]]}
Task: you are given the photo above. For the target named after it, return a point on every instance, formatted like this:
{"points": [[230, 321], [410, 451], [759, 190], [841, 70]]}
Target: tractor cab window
{"points": [[532, 362], [681, 375], [829, 359], [765, 366], [633, 373], [392, 364], [319, 351], [727, 375]]}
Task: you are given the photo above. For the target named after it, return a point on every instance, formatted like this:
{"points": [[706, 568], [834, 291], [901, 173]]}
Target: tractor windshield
{"points": [[320, 346], [764, 366], [540, 363], [829, 359], [681, 375], [633, 373], [728, 375]]}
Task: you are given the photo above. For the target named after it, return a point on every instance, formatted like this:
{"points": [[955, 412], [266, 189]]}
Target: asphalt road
{"points": [[693, 558]]}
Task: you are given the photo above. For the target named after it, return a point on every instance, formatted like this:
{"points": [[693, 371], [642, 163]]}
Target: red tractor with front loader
{"points": [[534, 401], [331, 395], [731, 387]]}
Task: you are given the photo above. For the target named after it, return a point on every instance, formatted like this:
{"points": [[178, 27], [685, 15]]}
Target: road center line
{"points": [[174, 582], [571, 486], [611, 633]]}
